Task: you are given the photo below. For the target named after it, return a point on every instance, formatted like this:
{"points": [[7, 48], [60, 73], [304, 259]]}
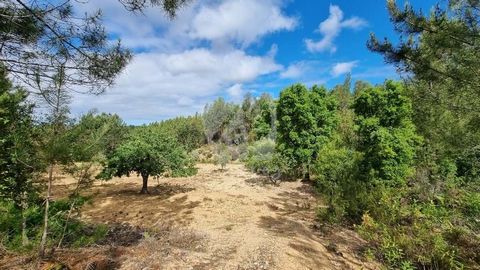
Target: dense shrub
{"points": [[260, 154], [306, 120], [469, 164], [263, 159], [431, 222], [75, 232], [204, 154], [387, 136], [188, 131], [421, 215], [336, 169], [432, 234], [264, 121]]}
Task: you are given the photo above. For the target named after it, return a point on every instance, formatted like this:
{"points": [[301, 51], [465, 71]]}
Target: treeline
{"points": [[237, 124]]}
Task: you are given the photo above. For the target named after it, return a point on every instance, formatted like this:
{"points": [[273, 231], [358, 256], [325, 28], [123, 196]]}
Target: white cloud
{"points": [[293, 71], [185, 101], [241, 21], [331, 28], [175, 72], [354, 23], [236, 92], [231, 66], [343, 68], [158, 85], [298, 69]]}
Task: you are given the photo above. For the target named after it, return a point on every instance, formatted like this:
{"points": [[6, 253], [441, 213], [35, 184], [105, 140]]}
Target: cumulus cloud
{"points": [[232, 66], [183, 63], [343, 68], [242, 21], [331, 28], [159, 85]]}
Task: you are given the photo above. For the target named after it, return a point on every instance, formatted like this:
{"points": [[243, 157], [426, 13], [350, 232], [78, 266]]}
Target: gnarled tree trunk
{"points": [[145, 184]]}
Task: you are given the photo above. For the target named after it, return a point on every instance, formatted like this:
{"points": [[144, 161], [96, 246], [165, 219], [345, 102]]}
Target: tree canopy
{"points": [[18, 157], [387, 136], [148, 152], [305, 119], [42, 38]]}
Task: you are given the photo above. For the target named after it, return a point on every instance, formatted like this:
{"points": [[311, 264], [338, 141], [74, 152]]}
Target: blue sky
{"points": [[230, 47]]}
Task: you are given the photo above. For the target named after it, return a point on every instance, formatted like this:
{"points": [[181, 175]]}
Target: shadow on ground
{"points": [[124, 203], [261, 181]]}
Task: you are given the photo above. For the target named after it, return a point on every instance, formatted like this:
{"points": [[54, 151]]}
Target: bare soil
{"points": [[230, 219]]}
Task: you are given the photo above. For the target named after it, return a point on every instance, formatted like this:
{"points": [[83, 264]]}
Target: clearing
{"points": [[230, 219]]}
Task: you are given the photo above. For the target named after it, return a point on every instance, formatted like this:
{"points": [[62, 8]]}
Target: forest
{"points": [[395, 163]]}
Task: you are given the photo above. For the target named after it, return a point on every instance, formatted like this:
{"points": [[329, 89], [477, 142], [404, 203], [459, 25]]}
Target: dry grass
{"points": [[214, 220], [163, 249], [262, 258]]}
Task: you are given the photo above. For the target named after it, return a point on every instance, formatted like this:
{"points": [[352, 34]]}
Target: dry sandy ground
{"points": [[243, 221], [216, 219]]}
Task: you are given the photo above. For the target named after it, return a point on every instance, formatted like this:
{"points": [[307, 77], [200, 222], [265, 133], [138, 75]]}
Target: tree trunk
{"points": [[306, 176], [24, 219], [45, 217], [145, 184], [66, 224]]}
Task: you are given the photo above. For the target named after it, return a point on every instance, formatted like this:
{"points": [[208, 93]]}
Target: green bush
{"points": [[263, 159], [76, 234], [259, 154], [335, 170], [471, 207], [223, 155], [422, 229], [306, 120], [469, 165], [417, 209], [204, 154], [387, 136], [188, 131]]}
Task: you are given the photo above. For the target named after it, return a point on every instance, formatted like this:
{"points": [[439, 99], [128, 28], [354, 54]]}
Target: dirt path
{"points": [[224, 220]]}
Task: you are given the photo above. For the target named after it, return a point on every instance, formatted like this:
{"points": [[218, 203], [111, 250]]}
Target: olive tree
{"points": [[148, 152], [216, 118]]}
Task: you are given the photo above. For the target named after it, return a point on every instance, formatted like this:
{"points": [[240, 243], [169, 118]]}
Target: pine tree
{"points": [[18, 156]]}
